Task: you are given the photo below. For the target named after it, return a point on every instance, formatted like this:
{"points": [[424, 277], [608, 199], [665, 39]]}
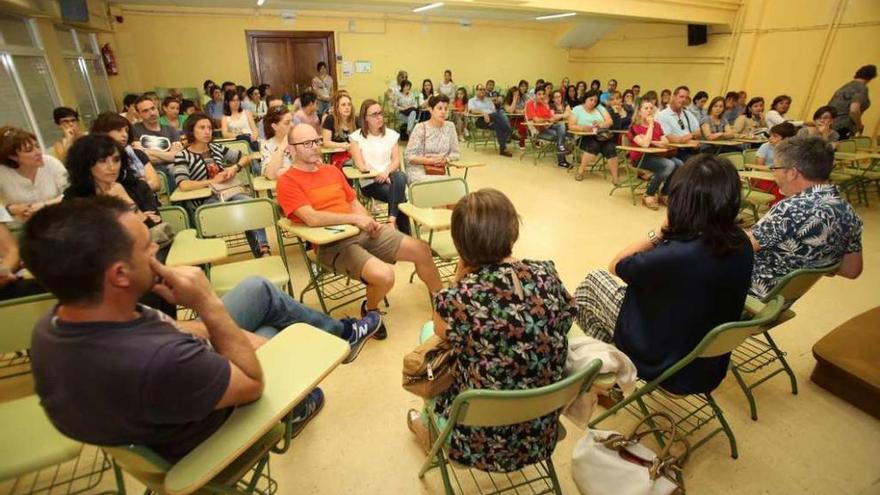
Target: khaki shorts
{"points": [[350, 255]]}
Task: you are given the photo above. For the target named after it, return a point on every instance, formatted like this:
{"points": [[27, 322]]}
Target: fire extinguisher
{"points": [[109, 59]]}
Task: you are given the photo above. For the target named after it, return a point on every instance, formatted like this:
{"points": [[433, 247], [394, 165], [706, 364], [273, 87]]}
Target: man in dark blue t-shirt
{"points": [[110, 371]]}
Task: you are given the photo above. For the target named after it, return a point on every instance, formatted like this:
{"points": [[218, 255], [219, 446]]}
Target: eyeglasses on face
{"points": [[374, 114], [310, 143]]}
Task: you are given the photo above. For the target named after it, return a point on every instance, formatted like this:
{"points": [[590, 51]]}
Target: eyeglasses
{"points": [[681, 124], [777, 167], [310, 143], [374, 114], [69, 120]]}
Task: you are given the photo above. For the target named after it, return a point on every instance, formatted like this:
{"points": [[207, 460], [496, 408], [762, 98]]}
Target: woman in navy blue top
{"points": [[681, 280]]}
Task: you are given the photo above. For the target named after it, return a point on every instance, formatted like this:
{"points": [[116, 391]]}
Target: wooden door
{"points": [[288, 60]]}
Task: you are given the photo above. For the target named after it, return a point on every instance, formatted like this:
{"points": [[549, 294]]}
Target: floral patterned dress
{"points": [[507, 324]]}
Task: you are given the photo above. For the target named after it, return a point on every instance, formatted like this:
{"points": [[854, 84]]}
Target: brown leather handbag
{"points": [[429, 369]]}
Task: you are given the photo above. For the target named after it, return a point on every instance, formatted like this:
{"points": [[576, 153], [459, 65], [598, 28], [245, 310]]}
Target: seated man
{"points": [[112, 372], [159, 142], [550, 128], [316, 195], [308, 111], [813, 226], [491, 118], [679, 125], [492, 94]]}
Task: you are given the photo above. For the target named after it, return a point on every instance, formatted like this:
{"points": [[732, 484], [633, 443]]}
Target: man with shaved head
{"points": [[316, 194]]}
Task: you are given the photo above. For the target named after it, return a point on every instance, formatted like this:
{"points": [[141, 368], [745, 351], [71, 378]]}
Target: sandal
{"points": [[579, 176], [415, 425], [650, 202]]}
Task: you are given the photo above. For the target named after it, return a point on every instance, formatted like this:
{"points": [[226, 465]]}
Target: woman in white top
{"points": [[374, 149], [322, 85], [406, 106], [433, 143], [447, 87], [274, 149], [29, 180], [254, 103], [776, 115], [238, 123]]}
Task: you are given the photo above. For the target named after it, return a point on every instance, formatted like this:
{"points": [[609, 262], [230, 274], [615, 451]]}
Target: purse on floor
{"points": [[429, 369], [607, 462]]}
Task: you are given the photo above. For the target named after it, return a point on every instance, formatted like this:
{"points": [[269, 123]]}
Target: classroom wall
{"points": [[803, 48], [211, 45]]}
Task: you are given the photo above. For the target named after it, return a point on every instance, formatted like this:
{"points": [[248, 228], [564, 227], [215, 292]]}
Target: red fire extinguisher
{"points": [[109, 59]]}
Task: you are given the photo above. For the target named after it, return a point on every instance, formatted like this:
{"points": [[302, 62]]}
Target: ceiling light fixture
{"points": [[428, 7], [554, 16], [260, 3]]}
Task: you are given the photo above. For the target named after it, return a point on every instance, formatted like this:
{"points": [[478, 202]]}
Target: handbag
{"points": [[227, 190], [607, 462], [429, 369], [162, 234], [604, 135]]}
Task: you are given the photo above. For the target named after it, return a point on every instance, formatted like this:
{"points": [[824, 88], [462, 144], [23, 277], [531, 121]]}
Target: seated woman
{"points": [[621, 116], [205, 164], [778, 108], [423, 97], [571, 96], [507, 321], [752, 121], [715, 127], [459, 109], [171, 114], [238, 123], [274, 149], [337, 127], [579, 93], [629, 101], [255, 104], [682, 280], [29, 179], [766, 153], [665, 96], [374, 149], [406, 106], [821, 125], [119, 129], [561, 110], [643, 133], [590, 117], [432, 143], [514, 107], [67, 120]]}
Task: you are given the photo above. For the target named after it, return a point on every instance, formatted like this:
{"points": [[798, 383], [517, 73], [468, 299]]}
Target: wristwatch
{"points": [[655, 240]]}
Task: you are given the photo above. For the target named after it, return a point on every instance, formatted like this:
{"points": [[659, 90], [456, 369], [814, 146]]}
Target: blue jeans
{"points": [[498, 122], [662, 168], [555, 132], [259, 307], [256, 238], [393, 193]]}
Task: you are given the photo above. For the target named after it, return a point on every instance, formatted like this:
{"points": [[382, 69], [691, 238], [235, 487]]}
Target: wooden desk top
{"points": [[638, 149], [262, 183], [201, 193], [720, 142], [466, 164], [582, 133], [689, 144], [754, 140], [432, 218], [293, 362], [319, 235], [755, 166], [330, 151], [188, 250], [757, 175], [352, 173]]}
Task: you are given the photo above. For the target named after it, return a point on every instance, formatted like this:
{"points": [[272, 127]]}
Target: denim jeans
{"points": [[256, 238], [393, 193], [409, 120], [259, 307], [662, 168], [498, 122], [555, 132], [169, 176]]}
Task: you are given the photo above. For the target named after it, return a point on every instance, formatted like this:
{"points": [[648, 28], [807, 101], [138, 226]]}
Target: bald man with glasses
{"points": [[490, 117]]}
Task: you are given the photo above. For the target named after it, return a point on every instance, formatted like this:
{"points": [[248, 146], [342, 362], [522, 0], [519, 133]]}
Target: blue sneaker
{"points": [[307, 409], [361, 331], [382, 333]]}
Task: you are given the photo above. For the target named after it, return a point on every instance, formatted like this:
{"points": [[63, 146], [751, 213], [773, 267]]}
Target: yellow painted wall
{"points": [[776, 48], [207, 45]]}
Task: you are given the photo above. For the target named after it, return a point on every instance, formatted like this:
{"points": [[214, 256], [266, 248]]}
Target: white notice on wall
{"points": [[347, 68], [363, 66]]}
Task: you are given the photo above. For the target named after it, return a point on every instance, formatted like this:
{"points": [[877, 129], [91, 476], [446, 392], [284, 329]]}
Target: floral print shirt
{"points": [[811, 229], [507, 324]]}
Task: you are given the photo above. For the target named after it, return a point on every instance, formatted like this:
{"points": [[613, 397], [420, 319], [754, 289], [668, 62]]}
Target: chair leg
{"points": [[781, 357], [753, 408], [551, 470], [721, 419], [657, 435]]}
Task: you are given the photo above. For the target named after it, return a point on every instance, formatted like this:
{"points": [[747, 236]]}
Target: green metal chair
{"points": [[478, 136], [175, 216], [535, 146], [760, 351], [751, 198], [438, 194], [163, 193], [36, 458], [693, 412], [750, 156], [631, 177], [18, 317], [861, 174], [484, 408], [224, 219], [862, 142]]}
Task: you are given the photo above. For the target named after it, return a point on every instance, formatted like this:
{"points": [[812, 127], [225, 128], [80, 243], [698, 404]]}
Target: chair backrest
{"points": [[736, 159], [862, 142], [163, 189], [728, 336], [794, 285], [750, 155], [846, 146], [437, 193], [235, 217], [244, 148], [141, 463], [175, 216], [507, 407], [18, 317]]}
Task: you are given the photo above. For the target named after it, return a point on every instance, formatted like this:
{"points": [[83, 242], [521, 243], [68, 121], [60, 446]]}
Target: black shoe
{"points": [[564, 164], [506, 153], [382, 332]]}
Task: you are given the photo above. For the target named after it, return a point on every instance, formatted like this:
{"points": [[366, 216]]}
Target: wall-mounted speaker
{"points": [[697, 34], [75, 10]]}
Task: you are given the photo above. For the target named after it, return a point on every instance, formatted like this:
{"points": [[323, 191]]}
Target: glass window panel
{"points": [[65, 39], [35, 78], [84, 104], [85, 42], [15, 31], [100, 85], [12, 112]]}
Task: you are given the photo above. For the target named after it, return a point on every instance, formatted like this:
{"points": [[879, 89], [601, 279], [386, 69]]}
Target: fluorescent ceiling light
{"points": [[260, 2], [554, 16], [428, 7]]}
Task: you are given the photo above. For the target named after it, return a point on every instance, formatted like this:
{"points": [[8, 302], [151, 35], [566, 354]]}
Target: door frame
{"points": [[253, 35]]}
